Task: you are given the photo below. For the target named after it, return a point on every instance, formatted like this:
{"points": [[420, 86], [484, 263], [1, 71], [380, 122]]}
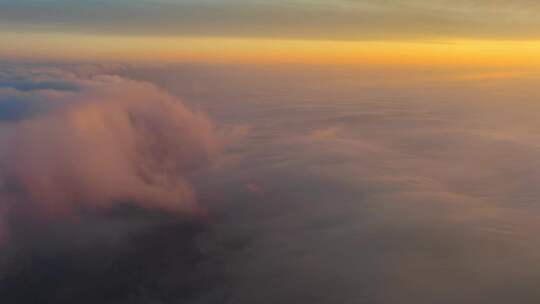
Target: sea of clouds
{"points": [[223, 184]]}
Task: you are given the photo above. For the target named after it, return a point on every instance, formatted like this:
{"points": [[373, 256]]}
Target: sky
{"points": [[286, 31], [285, 151]]}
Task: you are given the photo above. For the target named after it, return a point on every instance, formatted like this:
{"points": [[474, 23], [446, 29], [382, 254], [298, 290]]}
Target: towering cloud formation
{"points": [[108, 141]]}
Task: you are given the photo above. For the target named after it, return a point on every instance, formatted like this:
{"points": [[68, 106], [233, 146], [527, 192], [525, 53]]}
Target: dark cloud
{"points": [[26, 86], [343, 19], [164, 262]]}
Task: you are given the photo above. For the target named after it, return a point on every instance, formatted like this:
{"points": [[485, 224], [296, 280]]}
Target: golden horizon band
{"points": [[441, 52]]}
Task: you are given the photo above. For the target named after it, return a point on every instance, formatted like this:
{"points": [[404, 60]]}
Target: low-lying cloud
{"points": [[367, 189]]}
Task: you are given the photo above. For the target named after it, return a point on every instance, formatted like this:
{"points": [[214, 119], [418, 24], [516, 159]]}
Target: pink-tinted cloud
{"points": [[112, 141]]}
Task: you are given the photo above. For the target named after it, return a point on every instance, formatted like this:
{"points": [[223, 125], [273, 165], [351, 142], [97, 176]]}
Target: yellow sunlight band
{"points": [[57, 46]]}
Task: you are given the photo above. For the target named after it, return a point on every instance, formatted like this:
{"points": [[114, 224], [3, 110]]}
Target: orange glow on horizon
{"points": [[39, 46]]}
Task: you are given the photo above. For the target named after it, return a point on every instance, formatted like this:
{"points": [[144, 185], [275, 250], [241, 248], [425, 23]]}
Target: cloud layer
{"points": [[340, 19], [337, 186]]}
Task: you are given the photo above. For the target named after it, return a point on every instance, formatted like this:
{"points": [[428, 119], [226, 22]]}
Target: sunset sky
{"points": [[269, 151], [441, 32]]}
